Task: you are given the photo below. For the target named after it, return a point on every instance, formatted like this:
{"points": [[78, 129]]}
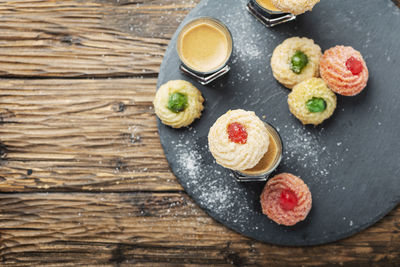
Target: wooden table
{"points": [[83, 177]]}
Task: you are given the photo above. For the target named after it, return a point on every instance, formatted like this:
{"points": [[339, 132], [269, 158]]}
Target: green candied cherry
{"points": [[298, 62], [177, 102], [316, 104]]}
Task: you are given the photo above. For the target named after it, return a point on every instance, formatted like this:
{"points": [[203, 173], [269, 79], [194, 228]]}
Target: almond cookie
{"points": [[344, 70], [312, 101], [286, 199], [178, 103], [295, 60], [238, 140], [295, 7]]}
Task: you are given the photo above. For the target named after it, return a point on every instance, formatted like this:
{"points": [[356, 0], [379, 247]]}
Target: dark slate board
{"points": [[350, 163]]}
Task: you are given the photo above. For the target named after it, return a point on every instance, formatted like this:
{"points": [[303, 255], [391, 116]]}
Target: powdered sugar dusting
{"points": [[304, 150], [215, 187], [190, 159]]}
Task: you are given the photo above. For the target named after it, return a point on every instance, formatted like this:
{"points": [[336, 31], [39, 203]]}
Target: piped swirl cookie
{"points": [[178, 103], [312, 101], [286, 199], [295, 60], [295, 7], [344, 70], [238, 140]]}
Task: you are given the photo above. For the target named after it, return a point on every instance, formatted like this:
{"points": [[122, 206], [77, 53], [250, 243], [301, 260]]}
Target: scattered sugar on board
{"points": [[304, 149], [190, 160], [214, 186]]}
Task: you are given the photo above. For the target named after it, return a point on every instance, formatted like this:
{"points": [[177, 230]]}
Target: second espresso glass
{"points": [[267, 13], [268, 163]]}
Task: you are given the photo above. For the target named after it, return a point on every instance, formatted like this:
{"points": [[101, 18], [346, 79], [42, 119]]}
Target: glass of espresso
{"points": [[269, 162], [267, 13], [204, 47]]}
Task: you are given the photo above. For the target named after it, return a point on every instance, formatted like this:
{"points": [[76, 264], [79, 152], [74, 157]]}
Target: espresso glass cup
{"points": [[217, 49], [268, 17], [262, 174]]}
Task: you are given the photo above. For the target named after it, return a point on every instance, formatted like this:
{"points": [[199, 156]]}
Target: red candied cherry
{"points": [[354, 65], [288, 200], [237, 133]]}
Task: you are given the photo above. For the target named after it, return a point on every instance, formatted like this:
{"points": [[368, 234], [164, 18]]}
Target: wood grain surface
{"points": [[83, 177], [81, 135]]}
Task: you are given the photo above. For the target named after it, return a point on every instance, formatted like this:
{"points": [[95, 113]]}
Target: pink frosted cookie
{"points": [[344, 70], [286, 199]]}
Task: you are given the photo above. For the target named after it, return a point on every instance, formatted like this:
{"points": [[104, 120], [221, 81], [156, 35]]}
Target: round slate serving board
{"points": [[350, 162]]}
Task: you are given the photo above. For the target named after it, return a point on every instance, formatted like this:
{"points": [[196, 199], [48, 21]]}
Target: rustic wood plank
{"points": [[163, 229], [89, 135], [73, 38]]}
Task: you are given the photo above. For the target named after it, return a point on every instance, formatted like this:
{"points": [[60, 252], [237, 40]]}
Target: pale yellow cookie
{"points": [[295, 7], [237, 155], [191, 111], [282, 56], [305, 101]]}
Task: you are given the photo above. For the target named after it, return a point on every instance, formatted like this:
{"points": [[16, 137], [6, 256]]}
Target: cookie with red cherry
{"points": [[344, 70], [286, 199]]}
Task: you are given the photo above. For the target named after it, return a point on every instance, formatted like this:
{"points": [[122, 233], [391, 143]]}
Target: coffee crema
{"points": [[204, 45], [267, 4]]}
